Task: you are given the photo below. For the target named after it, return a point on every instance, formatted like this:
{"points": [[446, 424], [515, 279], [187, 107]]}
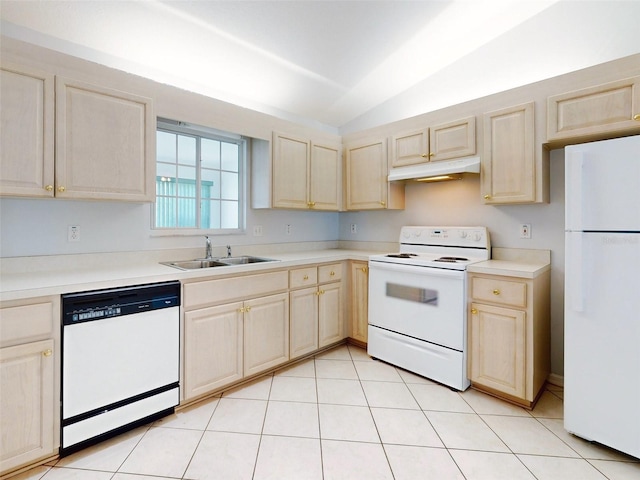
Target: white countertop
{"points": [[77, 278], [509, 268]]}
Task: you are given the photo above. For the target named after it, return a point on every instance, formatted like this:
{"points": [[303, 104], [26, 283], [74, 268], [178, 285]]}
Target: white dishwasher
{"points": [[120, 360]]}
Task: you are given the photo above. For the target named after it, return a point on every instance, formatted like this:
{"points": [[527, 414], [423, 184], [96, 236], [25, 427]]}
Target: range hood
{"points": [[436, 171]]}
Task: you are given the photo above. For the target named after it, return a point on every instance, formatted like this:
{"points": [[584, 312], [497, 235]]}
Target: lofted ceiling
{"points": [[337, 64]]}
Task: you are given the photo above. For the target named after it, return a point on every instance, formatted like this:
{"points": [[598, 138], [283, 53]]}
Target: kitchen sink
{"points": [[216, 262], [243, 260]]}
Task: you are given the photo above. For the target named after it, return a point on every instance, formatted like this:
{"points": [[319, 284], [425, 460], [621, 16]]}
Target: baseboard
{"points": [[555, 379]]}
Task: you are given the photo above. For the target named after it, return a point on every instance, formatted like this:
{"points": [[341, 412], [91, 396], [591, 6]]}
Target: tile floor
{"points": [[342, 415]]}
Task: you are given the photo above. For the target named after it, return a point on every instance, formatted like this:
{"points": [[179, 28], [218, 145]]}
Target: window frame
{"points": [[199, 132]]}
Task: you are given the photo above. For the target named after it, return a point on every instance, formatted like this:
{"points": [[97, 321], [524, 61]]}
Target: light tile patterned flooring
{"points": [[342, 415]]}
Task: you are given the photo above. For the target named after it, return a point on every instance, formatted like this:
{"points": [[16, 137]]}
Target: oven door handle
{"points": [[381, 267]]}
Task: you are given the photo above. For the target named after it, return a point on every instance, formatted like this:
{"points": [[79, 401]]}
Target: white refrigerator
{"points": [[602, 293]]}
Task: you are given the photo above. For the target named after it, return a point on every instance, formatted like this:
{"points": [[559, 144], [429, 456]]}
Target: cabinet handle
{"points": [[474, 311], [496, 292], [424, 155], [318, 293], [311, 204], [241, 310], [47, 353], [431, 154], [333, 274], [364, 269], [247, 309], [306, 277], [384, 204], [487, 196], [61, 189], [636, 117], [49, 188]]}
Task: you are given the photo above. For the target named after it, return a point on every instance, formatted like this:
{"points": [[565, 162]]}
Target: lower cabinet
{"points": [[359, 299], [29, 404], [266, 333], [509, 336], [317, 312], [213, 348]]}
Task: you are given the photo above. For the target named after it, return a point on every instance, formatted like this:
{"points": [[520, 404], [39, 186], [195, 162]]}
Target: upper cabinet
{"points": [[440, 142], [595, 112], [511, 170], [105, 143], [26, 132], [303, 174], [104, 139], [366, 186]]}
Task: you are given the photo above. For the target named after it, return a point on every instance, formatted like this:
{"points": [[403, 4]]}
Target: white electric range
{"points": [[418, 301]]}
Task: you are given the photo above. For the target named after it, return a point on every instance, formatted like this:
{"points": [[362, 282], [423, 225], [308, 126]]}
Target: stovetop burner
{"points": [[402, 255], [451, 259]]}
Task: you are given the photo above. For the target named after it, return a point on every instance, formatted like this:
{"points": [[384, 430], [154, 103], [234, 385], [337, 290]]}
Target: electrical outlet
{"points": [[73, 233], [354, 228], [525, 230], [288, 229], [257, 230]]}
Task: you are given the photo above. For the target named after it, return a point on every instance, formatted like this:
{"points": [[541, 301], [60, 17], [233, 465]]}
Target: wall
{"points": [[459, 203]]}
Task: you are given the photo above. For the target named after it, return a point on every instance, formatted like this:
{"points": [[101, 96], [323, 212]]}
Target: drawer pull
{"points": [[496, 292], [332, 273], [474, 311], [47, 353], [306, 277], [636, 117]]}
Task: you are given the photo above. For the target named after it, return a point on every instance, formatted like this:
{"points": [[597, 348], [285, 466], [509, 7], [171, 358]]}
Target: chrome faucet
{"points": [[228, 251], [208, 249]]}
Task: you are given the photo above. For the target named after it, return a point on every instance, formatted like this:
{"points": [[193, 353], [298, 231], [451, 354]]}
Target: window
{"points": [[199, 178]]}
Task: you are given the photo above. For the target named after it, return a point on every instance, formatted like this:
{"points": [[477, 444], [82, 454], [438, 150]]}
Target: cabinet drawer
{"points": [[302, 277], [211, 292], [22, 323], [503, 292], [330, 273]]}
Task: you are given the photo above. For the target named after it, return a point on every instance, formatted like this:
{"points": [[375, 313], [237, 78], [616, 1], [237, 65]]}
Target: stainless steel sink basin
{"points": [[216, 262], [195, 264], [243, 260]]}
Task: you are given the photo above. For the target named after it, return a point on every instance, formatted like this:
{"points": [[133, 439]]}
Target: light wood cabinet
{"points": [[359, 301], [29, 382], [266, 333], [104, 139], [317, 313], [445, 141], [105, 143], [306, 175], [595, 112], [26, 132], [509, 336], [213, 348], [366, 186], [511, 172]]}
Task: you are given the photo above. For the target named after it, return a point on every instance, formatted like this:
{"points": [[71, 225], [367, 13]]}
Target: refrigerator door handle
{"points": [[574, 183], [575, 260]]}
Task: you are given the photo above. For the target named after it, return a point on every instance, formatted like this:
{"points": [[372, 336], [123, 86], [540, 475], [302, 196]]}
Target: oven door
{"points": [[420, 302]]}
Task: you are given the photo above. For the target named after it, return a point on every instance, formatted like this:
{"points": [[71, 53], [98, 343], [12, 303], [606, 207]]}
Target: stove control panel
{"points": [[446, 236]]}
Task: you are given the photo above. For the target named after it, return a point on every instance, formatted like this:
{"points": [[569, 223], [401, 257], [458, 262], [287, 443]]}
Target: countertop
{"points": [[84, 277], [514, 262]]}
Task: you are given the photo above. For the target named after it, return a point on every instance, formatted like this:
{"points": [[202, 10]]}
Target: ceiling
{"points": [[339, 65]]}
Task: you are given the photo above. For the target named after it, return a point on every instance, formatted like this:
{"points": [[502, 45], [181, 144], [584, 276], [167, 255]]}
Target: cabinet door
{"points": [[452, 139], [359, 300], [410, 148], [325, 179], [509, 164], [497, 341], [212, 348], [367, 176], [593, 112], [26, 132], [266, 333], [303, 321], [105, 143], [27, 403], [290, 172], [330, 314]]}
